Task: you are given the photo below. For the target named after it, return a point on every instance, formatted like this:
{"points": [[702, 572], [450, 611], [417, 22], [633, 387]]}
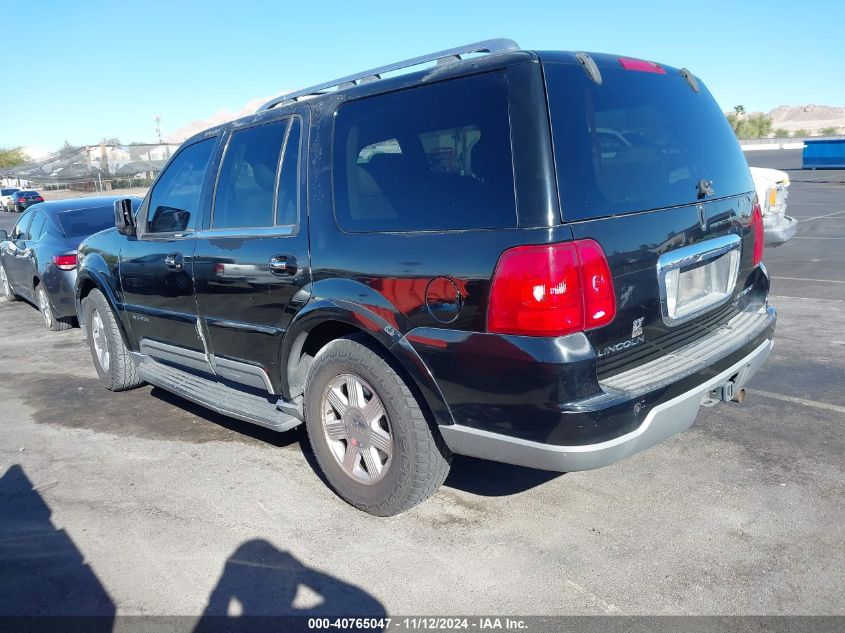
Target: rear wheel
{"points": [[5, 286], [50, 319], [111, 358], [369, 435]]}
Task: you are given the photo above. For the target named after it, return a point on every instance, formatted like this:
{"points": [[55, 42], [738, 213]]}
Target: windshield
{"points": [[638, 141], [8, 192], [85, 222]]}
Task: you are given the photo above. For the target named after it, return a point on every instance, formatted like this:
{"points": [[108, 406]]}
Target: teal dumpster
{"points": [[824, 154]]}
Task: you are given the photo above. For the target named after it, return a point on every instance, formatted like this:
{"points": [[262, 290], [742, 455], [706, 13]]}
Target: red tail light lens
{"points": [[641, 65], [65, 262], [757, 229], [39, 199], [551, 290]]}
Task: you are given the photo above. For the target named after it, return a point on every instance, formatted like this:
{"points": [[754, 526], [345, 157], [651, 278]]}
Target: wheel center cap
{"points": [[356, 427]]}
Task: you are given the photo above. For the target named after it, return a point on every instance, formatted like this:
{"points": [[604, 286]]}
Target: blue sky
{"points": [[103, 68]]}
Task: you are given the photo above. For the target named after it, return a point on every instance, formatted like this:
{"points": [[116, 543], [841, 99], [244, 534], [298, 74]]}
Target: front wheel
{"points": [[111, 358], [369, 435], [53, 324]]}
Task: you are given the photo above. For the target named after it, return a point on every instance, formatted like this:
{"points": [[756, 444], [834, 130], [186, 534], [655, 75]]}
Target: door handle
{"points": [[174, 261], [283, 265]]}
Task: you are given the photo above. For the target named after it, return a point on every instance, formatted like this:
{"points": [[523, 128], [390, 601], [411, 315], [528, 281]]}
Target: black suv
{"points": [[542, 258]]}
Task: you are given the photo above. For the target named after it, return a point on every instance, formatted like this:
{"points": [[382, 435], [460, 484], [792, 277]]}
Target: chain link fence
{"points": [[92, 170]]}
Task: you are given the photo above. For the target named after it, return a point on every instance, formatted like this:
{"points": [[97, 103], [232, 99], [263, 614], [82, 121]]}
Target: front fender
{"points": [[94, 271]]}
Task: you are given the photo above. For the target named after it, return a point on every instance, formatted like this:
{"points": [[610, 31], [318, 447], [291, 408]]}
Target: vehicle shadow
{"points": [[494, 479], [265, 589], [42, 573]]}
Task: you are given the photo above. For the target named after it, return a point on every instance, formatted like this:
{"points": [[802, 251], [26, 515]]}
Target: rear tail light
{"points": [[39, 199], [65, 262], [641, 65], [551, 290], [757, 229], [21, 199]]}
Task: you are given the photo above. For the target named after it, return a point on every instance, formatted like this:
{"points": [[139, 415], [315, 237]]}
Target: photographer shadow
{"points": [[42, 572], [265, 589]]}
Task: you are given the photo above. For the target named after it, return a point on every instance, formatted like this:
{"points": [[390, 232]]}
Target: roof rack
{"points": [[441, 57]]}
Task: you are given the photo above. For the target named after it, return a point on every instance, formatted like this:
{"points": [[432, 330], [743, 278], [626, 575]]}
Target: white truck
{"points": [[772, 186]]}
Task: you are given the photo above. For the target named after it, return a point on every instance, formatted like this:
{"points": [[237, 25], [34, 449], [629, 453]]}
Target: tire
{"points": [[6, 287], [116, 370], [380, 460], [50, 320]]}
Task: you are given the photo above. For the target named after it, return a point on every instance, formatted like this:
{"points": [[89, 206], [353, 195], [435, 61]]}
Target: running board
{"points": [[215, 395]]}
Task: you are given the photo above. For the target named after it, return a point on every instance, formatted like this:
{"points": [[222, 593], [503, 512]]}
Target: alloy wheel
{"points": [[44, 306], [356, 428], [4, 282], [98, 338]]}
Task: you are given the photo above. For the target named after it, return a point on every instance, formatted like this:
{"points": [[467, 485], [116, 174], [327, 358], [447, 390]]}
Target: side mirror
{"points": [[124, 216], [3, 235]]}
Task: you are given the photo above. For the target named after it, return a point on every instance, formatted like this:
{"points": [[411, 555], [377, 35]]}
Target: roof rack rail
{"points": [[441, 57]]}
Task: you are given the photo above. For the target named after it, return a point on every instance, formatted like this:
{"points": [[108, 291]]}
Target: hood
{"points": [[769, 176]]}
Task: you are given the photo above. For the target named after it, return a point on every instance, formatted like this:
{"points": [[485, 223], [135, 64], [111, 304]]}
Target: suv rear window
{"points": [[433, 158], [639, 141]]}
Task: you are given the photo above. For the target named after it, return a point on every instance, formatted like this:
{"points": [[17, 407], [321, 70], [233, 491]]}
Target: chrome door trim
{"points": [[688, 256]]}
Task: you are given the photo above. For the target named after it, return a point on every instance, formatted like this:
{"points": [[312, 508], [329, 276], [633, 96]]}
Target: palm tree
{"points": [[739, 110]]}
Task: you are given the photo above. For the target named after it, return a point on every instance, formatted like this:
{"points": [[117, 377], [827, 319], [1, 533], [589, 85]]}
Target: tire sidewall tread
{"points": [[420, 459]]}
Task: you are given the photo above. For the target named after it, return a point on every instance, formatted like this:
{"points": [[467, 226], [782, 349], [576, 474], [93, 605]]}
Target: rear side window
{"points": [[38, 226], [85, 222], [175, 199], [639, 141], [21, 230], [434, 158], [246, 186]]}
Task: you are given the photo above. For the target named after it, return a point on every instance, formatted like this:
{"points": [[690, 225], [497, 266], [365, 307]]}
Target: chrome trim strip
{"points": [[243, 327], [691, 255]]}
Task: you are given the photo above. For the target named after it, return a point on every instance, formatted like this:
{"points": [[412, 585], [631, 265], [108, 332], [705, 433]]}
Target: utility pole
{"points": [[157, 119]]}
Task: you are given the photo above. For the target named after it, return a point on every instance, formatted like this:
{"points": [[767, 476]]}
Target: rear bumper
{"points": [[664, 420], [537, 402], [779, 229]]}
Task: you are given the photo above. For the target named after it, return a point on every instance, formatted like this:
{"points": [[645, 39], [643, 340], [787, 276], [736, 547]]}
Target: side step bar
{"points": [[215, 395]]}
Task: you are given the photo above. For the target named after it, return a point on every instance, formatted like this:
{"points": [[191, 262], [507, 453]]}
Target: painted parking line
{"points": [[823, 281], [801, 237], [819, 217], [803, 401]]}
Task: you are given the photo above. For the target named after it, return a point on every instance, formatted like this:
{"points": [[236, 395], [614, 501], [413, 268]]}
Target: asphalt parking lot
{"points": [[141, 503]]}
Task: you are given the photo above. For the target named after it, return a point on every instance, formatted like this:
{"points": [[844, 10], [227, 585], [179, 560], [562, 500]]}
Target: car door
{"points": [[17, 257], [251, 261], [156, 264]]}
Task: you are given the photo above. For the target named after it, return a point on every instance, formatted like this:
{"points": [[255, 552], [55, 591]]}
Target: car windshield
{"points": [[85, 222], [8, 192], [28, 194]]}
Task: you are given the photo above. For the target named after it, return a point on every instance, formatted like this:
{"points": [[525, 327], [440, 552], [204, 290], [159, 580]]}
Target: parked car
{"points": [[772, 187], [6, 195], [24, 199], [38, 259], [441, 262]]}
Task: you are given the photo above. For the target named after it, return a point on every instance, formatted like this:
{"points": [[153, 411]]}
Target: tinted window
{"points": [[21, 231], [175, 199], [247, 182], [287, 212], [85, 222], [638, 141], [37, 227], [7, 192], [431, 158]]}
